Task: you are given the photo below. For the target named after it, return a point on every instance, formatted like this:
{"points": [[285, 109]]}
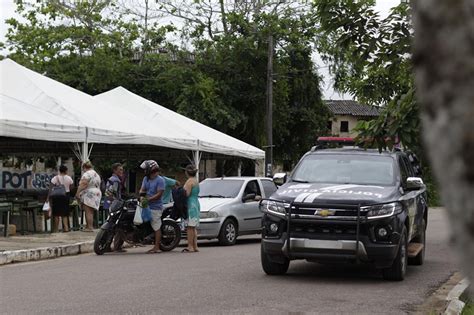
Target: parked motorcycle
{"points": [[120, 222]]}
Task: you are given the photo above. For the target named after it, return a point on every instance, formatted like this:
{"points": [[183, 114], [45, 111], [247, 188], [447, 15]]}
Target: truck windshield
{"points": [[220, 188], [346, 169]]}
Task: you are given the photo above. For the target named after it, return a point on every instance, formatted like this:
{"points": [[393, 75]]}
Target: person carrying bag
{"points": [[58, 198], [142, 213], [57, 190], [47, 210]]}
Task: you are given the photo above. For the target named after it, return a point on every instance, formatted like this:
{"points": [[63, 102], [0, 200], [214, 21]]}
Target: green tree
{"points": [[231, 46], [84, 44], [371, 58]]}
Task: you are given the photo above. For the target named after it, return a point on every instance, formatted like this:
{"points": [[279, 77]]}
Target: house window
{"points": [[344, 126], [329, 126]]}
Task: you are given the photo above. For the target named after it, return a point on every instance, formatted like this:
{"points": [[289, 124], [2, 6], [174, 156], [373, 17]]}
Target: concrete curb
{"points": [[14, 256], [455, 305]]}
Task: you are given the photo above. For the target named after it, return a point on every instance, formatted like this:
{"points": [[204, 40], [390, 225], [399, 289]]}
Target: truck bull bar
{"points": [[294, 205]]}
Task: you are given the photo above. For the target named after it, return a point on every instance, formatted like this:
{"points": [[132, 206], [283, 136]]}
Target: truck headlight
{"points": [[273, 207], [209, 214], [382, 210]]}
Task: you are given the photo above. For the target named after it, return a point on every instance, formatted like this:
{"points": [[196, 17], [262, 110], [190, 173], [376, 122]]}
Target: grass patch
{"points": [[469, 307]]}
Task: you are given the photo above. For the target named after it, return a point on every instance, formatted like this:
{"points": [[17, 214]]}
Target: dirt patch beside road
{"points": [[436, 302]]}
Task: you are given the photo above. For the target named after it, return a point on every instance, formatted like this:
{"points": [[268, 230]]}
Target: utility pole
{"points": [[269, 111]]}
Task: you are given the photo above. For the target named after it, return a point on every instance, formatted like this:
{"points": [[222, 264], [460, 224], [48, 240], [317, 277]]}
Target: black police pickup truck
{"points": [[347, 204]]}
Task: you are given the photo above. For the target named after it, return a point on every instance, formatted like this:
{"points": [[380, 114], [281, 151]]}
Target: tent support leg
{"points": [[239, 169], [259, 168], [85, 151], [76, 150], [197, 160]]}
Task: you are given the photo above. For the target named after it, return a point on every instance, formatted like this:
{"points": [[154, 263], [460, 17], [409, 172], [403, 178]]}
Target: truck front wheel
{"points": [[399, 267], [273, 268]]}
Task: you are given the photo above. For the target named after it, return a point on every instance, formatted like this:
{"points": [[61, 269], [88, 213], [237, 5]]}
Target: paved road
{"points": [[217, 280]]}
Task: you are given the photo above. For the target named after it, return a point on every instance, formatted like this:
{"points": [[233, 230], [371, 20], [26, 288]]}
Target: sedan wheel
{"points": [[228, 233]]}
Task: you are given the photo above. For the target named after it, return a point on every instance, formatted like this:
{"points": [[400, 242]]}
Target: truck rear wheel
{"points": [[272, 268], [399, 267]]}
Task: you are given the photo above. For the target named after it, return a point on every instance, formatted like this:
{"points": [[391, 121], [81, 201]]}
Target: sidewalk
{"points": [[44, 246]]}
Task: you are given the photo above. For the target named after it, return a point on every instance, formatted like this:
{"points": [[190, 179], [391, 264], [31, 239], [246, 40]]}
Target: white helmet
{"points": [[149, 166]]}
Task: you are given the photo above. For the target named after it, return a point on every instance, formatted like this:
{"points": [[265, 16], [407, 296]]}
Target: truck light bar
{"points": [[325, 142], [346, 140]]}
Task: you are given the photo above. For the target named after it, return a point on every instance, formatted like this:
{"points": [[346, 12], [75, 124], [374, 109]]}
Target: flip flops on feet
{"points": [[187, 251], [153, 251]]}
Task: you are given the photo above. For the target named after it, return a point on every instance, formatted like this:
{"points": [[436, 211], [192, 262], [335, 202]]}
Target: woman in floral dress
{"points": [[89, 194]]}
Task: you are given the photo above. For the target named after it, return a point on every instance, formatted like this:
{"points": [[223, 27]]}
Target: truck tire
{"points": [[398, 269], [228, 233], [271, 268], [419, 259]]}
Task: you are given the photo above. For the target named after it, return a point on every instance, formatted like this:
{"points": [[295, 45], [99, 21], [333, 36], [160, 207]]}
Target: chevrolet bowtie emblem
{"points": [[324, 212]]}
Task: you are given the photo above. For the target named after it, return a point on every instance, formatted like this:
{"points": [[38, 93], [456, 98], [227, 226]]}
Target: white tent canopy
{"points": [[210, 140], [18, 119], [56, 102], [33, 106]]}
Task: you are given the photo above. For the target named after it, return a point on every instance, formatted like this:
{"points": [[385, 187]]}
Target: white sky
{"points": [[7, 10]]}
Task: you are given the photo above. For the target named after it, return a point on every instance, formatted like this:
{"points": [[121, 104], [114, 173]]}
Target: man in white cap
{"points": [[153, 187]]}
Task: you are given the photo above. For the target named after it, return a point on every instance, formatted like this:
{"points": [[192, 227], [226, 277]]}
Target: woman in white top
{"points": [[60, 204]]}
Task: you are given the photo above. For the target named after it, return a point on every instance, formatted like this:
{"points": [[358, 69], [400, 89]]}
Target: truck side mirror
{"points": [[414, 183], [279, 178]]}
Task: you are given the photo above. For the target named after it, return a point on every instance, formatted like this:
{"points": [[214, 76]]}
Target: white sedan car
{"points": [[229, 207]]}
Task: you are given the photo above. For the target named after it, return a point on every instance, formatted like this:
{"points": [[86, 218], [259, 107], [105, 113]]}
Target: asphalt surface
{"points": [[218, 280]]}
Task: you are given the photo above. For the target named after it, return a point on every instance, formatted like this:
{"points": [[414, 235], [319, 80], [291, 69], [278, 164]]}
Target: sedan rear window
{"points": [[346, 169], [220, 188]]}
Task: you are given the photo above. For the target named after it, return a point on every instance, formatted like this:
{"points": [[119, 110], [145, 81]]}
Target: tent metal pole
{"points": [[239, 169], [90, 151], [76, 150], [197, 157], [85, 150], [86, 153], [259, 167]]}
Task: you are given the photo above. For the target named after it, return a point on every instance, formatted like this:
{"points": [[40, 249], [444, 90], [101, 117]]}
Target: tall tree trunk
{"points": [[145, 38], [444, 64], [223, 16]]}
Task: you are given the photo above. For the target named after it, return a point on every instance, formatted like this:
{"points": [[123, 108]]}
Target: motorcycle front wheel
{"points": [[170, 235], [102, 241]]}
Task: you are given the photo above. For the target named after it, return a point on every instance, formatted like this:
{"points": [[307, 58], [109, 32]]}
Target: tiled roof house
{"points": [[346, 115]]}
